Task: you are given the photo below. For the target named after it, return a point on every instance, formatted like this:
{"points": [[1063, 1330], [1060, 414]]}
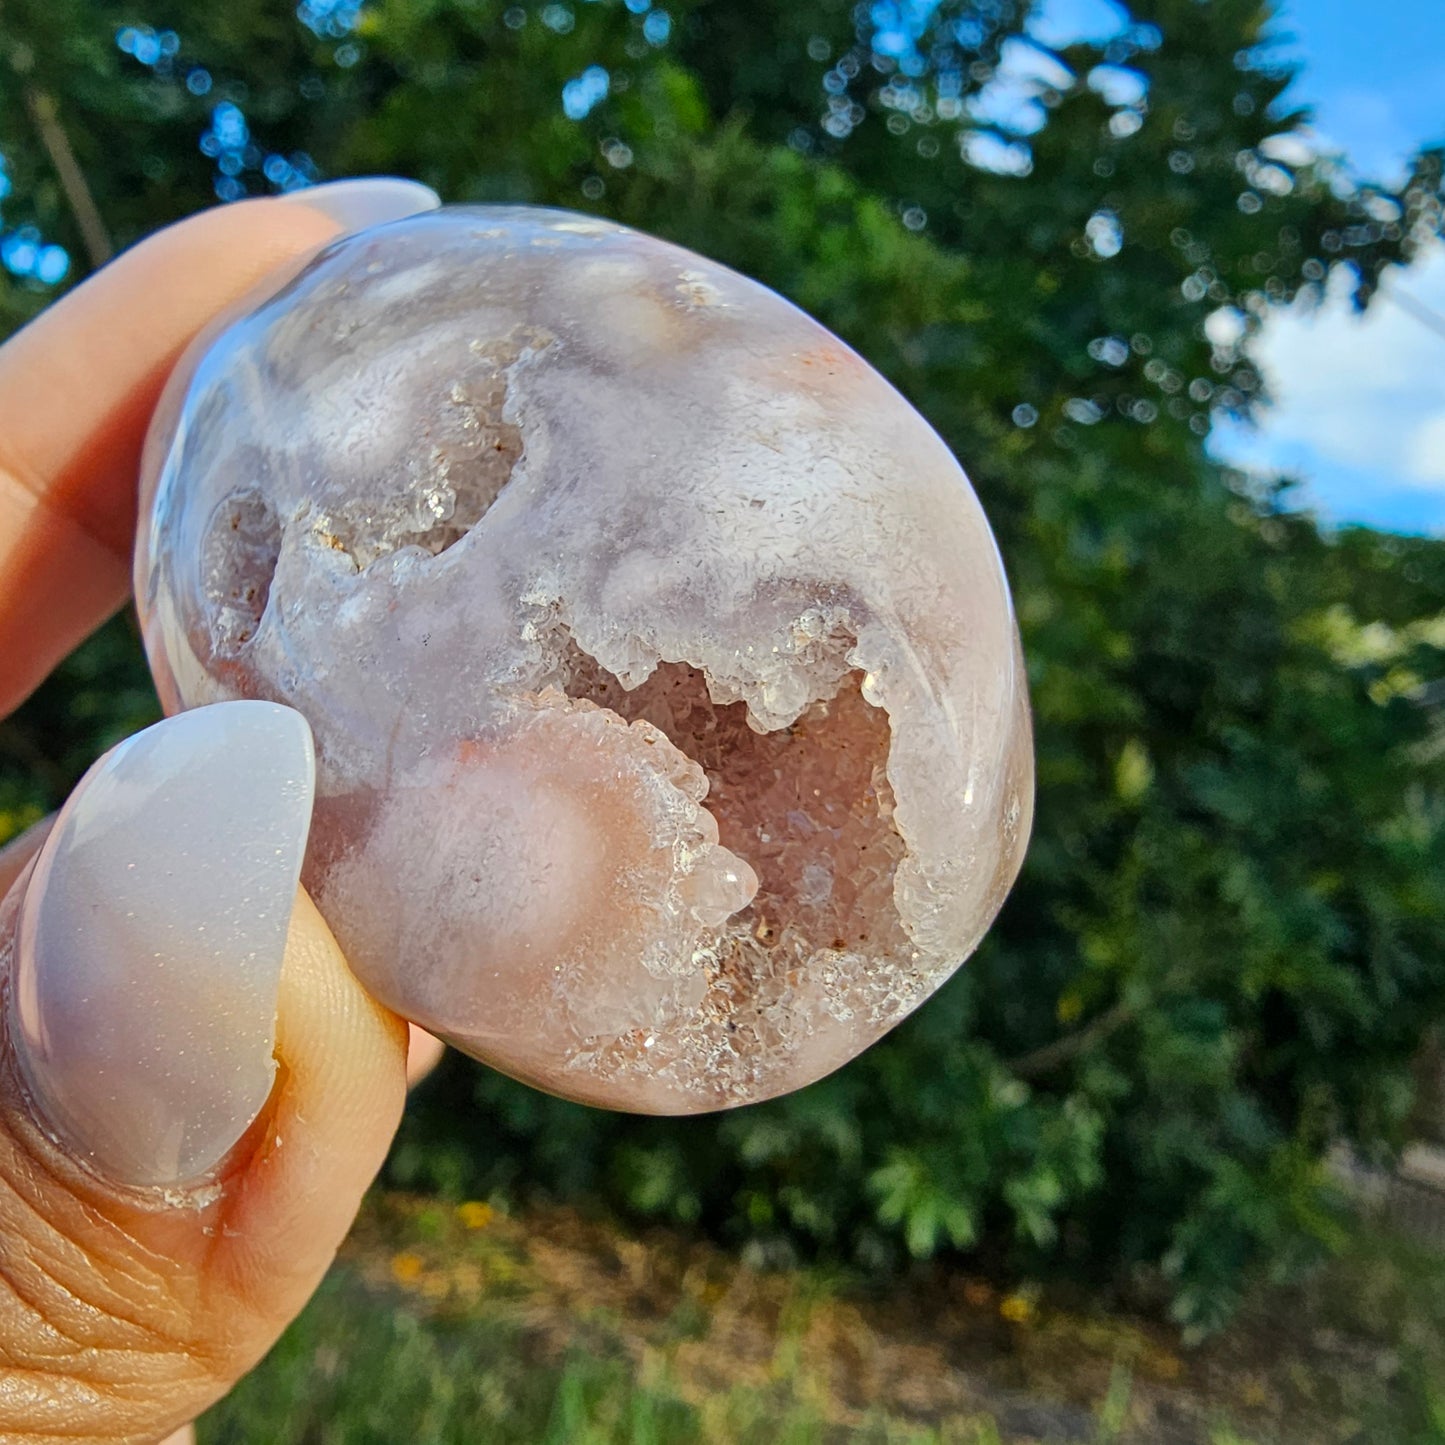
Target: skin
{"points": [[122, 1314]]}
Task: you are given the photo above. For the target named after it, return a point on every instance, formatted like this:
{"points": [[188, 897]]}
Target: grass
{"points": [[447, 1325]]}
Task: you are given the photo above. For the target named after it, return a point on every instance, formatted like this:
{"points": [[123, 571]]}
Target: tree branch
{"points": [[1048, 1058], [45, 115]]}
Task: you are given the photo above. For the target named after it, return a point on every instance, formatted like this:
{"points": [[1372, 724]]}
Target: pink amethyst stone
{"points": [[672, 733]]}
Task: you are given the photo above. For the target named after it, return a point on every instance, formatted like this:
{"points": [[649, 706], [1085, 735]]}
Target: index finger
{"points": [[77, 388]]}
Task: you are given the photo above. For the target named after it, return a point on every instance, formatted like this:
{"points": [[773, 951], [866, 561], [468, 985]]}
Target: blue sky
{"points": [[1358, 410], [1374, 74], [1358, 407], [1359, 402]]}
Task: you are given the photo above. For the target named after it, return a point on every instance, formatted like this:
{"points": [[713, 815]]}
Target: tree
{"points": [[1227, 941]]}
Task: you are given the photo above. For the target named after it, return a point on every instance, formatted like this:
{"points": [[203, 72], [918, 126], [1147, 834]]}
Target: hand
{"points": [[194, 1091]]}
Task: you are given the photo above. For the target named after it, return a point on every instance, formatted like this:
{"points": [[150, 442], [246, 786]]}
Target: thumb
{"points": [[194, 1090]]}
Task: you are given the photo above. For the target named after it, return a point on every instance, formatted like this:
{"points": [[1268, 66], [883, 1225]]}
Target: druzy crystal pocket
{"points": [[671, 728]]}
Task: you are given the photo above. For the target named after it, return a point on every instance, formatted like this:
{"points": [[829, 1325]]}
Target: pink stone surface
{"points": [[672, 733]]}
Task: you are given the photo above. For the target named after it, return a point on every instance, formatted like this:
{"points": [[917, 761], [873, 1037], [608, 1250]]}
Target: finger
{"points": [[77, 388], [196, 1091], [19, 851], [423, 1053]]}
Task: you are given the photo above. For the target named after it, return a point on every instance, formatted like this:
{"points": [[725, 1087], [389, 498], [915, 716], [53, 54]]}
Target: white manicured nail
{"points": [[150, 939], [368, 201]]}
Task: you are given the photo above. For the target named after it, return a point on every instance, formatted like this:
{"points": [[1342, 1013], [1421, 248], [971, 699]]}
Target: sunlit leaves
{"points": [[1227, 941]]}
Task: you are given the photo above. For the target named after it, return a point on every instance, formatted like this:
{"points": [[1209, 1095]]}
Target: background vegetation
{"points": [[457, 1325], [1226, 947]]}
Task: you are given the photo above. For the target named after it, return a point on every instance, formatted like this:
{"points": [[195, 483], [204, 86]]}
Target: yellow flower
{"points": [[406, 1268], [474, 1214], [1016, 1309], [1164, 1364]]}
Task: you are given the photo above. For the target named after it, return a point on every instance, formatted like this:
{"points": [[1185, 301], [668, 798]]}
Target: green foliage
{"points": [[1227, 942]]}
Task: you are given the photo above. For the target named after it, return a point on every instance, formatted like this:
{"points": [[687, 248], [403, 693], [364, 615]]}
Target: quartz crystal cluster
{"points": [[672, 735]]}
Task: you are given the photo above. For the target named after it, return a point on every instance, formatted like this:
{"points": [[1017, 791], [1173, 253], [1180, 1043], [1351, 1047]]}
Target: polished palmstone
{"points": [[671, 728]]}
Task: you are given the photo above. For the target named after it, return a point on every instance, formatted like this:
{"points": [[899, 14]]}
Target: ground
{"points": [[453, 1324]]}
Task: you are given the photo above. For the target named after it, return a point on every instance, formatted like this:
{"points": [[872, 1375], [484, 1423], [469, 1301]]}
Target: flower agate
{"points": [[672, 734]]}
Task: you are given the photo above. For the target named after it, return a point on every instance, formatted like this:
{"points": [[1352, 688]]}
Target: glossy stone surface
{"points": [[671, 727]]}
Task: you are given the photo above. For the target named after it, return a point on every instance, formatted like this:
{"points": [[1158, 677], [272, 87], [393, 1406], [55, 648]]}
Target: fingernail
{"points": [[150, 939], [368, 201]]}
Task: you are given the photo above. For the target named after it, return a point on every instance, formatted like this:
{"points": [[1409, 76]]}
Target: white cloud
{"points": [[1366, 392], [1425, 459]]}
